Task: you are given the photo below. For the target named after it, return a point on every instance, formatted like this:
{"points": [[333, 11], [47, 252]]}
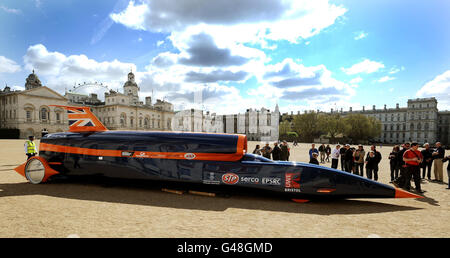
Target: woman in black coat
{"points": [[394, 163], [372, 166]]}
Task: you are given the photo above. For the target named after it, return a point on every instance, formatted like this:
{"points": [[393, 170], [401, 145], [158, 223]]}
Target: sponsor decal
{"points": [[127, 153], [250, 180], [292, 182], [189, 156], [210, 179], [141, 155], [230, 178], [271, 181]]}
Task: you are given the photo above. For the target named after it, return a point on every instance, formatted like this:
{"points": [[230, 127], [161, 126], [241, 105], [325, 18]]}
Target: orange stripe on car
{"points": [[147, 154]]}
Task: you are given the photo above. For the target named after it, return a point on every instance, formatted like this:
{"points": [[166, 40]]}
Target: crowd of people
{"points": [[280, 151], [406, 161]]}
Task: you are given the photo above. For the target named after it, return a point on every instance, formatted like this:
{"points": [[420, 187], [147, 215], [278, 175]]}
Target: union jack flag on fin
{"points": [[81, 119]]}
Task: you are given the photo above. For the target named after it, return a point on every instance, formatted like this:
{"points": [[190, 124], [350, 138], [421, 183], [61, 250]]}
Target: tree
{"points": [[359, 127], [332, 124], [307, 126], [285, 127]]}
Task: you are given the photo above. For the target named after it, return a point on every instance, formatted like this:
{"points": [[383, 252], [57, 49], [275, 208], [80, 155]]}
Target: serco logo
{"points": [[189, 156], [230, 178]]}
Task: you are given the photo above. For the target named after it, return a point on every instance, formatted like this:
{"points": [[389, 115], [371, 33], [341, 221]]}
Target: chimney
{"points": [[331, 110], [384, 106], [148, 101], [364, 108], [342, 110], [350, 109], [373, 107], [397, 106]]}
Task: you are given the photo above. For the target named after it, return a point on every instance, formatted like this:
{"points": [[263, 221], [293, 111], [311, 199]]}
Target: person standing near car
{"points": [[30, 147], [335, 157], [427, 160], [413, 158], [359, 160], [328, 152], [322, 150], [448, 170], [393, 163], [371, 165], [342, 154], [438, 155]]}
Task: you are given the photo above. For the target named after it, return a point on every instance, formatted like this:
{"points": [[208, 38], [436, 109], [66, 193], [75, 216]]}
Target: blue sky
{"points": [[301, 55]]}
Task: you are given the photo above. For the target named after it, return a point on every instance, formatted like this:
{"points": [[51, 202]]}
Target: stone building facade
{"points": [[124, 111], [419, 121], [30, 111], [258, 125]]}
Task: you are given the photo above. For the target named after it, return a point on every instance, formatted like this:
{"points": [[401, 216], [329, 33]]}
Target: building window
{"points": [[28, 115], [58, 117], [44, 115]]}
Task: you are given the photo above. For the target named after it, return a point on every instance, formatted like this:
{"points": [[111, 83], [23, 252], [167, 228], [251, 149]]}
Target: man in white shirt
{"points": [[335, 157]]}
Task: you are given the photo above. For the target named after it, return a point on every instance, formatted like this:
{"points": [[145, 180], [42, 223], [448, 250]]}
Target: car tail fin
{"points": [[81, 119]]}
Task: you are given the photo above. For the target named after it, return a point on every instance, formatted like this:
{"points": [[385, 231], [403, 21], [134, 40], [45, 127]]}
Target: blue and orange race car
{"points": [[198, 158]]}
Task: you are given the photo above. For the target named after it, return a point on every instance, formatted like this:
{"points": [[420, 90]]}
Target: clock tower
{"points": [[131, 89]]}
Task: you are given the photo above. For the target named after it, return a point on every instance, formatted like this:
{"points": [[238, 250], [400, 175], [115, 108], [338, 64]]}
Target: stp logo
{"points": [[230, 178], [189, 156]]}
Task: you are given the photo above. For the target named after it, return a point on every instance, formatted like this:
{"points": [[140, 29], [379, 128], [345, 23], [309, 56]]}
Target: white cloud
{"points": [[439, 87], [250, 21], [64, 71], [366, 66], [356, 80], [214, 44], [386, 78], [361, 35], [10, 10], [395, 70], [8, 65], [294, 83], [159, 43]]}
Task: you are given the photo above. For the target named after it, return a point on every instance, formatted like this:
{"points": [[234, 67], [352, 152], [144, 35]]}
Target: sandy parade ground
{"points": [[94, 210]]}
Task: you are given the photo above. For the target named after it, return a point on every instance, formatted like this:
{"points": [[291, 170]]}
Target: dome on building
{"points": [[32, 82]]}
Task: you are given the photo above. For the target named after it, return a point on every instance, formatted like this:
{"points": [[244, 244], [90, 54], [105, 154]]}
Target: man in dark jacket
{"points": [[342, 154], [427, 160], [400, 181], [284, 151], [322, 151], [313, 159], [448, 170], [377, 157], [348, 158], [276, 152], [266, 150], [371, 165], [438, 155]]}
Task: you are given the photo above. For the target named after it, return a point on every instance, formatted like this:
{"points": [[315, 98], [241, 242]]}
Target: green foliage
{"points": [[332, 124], [356, 127], [307, 126], [359, 127]]}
